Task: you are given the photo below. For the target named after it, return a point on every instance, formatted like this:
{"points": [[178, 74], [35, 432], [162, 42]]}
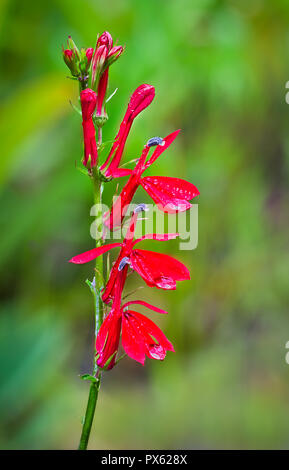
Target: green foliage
{"points": [[220, 69]]}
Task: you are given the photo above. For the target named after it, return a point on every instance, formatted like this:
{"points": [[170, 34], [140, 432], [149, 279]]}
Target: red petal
{"points": [[132, 339], [161, 148], [140, 337], [162, 237], [158, 269], [119, 172], [92, 254], [145, 304], [107, 340], [171, 194], [141, 99], [152, 329]]}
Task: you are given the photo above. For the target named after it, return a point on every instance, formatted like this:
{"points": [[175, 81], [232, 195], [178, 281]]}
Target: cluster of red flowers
{"points": [[140, 336]]}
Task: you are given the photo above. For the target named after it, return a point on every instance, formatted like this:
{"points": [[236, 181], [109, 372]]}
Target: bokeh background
{"points": [[220, 69]]}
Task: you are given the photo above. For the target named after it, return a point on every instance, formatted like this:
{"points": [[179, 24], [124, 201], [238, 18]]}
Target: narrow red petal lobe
{"points": [[120, 172], [88, 100], [167, 141], [145, 304], [92, 254], [162, 237]]}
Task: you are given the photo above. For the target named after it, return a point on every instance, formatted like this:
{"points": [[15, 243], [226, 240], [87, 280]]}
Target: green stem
{"points": [[98, 310], [98, 305], [89, 414]]}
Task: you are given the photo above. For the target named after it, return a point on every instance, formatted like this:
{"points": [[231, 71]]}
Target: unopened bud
{"points": [[113, 55], [71, 57], [97, 64], [141, 98], [89, 54], [72, 46], [105, 39]]}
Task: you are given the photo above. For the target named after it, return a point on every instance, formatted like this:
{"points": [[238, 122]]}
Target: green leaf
{"points": [[89, 377]]}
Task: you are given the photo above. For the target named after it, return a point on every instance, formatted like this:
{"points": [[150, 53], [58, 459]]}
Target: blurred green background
{"points": [[220, 69]]}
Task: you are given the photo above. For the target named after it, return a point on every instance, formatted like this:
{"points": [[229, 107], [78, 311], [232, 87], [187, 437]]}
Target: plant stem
{"points": [[98, 309], [89, 414]]}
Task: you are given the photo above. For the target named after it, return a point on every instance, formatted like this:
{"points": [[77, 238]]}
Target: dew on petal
{"points": [[156, 351]]}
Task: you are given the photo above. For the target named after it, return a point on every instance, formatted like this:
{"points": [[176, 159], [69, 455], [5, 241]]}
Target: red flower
{"points": [[139, 100], [157, 269], [170, 194], [140, 336], [88, 104], [89, 54], [107, 340]]}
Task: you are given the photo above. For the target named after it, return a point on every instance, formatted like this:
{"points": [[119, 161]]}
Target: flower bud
{"points": [[72, 46], [113, 55], [105, 40], [71, 57], [71, 61], [88, 103], [101, 115], [89, 54], [97, 64], [140, 99]]}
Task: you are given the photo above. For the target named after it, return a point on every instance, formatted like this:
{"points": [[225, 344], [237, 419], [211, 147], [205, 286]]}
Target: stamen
{"points": [[155, 141], [141, 208], [123, 263]]}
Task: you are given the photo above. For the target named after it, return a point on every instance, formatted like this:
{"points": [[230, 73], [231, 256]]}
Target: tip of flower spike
{"points": [[123, 263], [154, 141], [141, 208]]}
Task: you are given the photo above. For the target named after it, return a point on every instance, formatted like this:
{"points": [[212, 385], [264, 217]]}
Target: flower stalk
{"points": [[139, 336], [89, 414], [95, 286]]}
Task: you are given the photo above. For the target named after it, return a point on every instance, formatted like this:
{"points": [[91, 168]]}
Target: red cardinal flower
{"points": [[157, 269], [107, 340], [170, 194], [88, 104], [139, 100], [141, 337]]}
